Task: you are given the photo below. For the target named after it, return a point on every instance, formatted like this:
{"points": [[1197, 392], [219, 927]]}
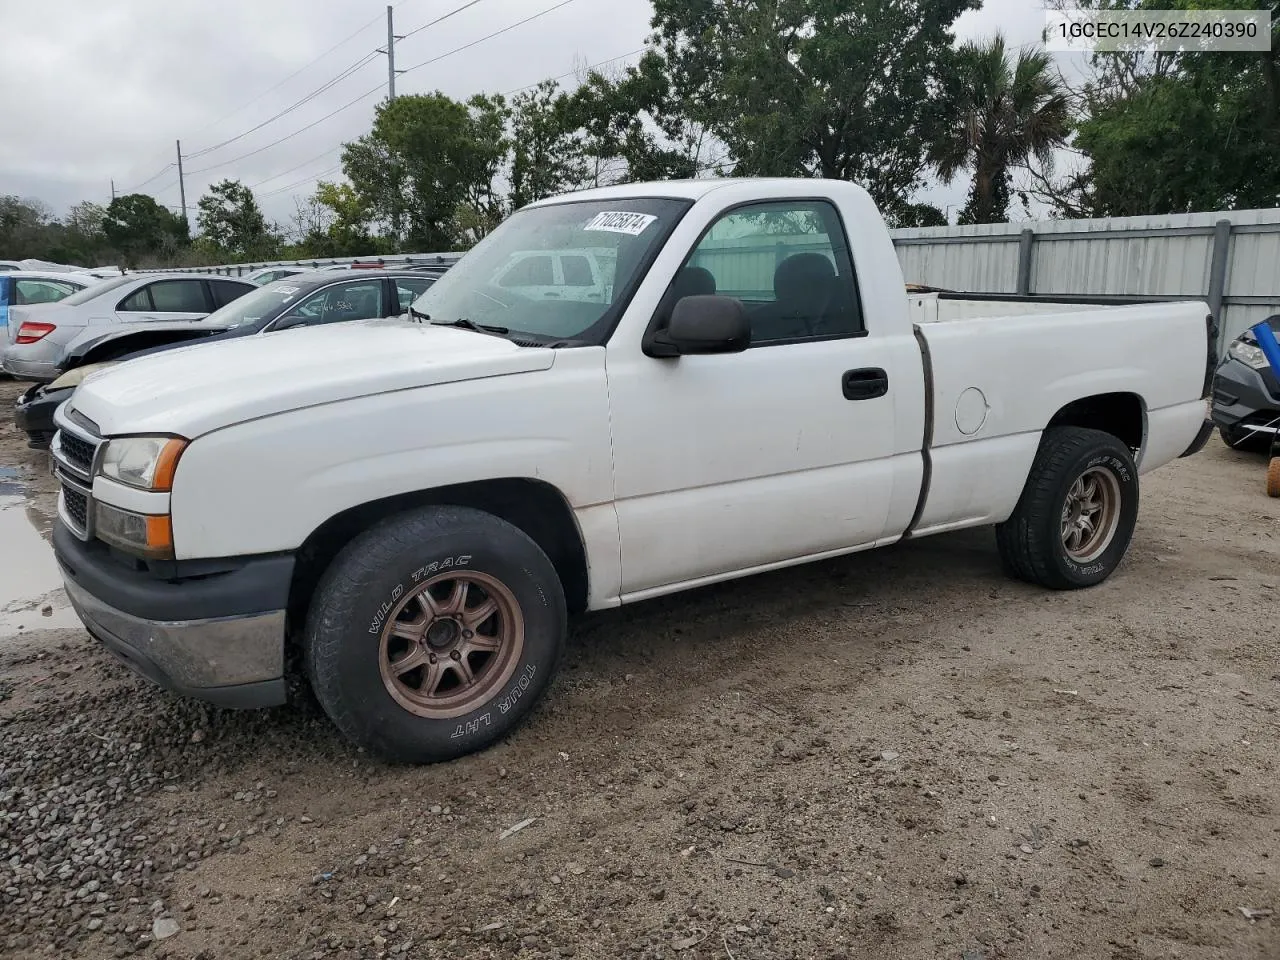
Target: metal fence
{"points": [[1230, 259]]}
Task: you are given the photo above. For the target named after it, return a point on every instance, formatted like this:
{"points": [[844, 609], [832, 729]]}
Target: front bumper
{"points": [[33, 413], [216, 634], [1242, 399]]}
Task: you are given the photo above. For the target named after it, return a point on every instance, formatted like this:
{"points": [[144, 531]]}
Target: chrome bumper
{"points": [[228, 661]]}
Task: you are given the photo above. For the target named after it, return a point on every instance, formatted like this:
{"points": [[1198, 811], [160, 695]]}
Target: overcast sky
{"points": [[95, 91]]}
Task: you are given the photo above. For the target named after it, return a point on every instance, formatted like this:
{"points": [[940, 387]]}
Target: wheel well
{"points": [[1119, 414], [112, 349], [535, 507]]}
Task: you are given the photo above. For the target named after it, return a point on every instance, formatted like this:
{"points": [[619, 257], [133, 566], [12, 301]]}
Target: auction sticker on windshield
{"points": [[618, 221]]}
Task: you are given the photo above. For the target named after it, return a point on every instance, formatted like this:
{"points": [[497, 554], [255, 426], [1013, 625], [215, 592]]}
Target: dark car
{"points": [[302, 300], [1246, 394]]}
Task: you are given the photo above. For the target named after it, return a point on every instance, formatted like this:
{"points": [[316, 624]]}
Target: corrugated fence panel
{"points": [[991, 267], [1155, 266], [1169, 256]]}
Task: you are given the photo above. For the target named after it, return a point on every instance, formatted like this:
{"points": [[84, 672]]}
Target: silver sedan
{"points": [[36, 335]]}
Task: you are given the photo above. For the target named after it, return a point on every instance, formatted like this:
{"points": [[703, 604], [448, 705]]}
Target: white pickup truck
{"points": [[409, 511]]}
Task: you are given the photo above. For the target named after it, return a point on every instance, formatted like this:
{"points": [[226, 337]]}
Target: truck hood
{"points": [[192, 390]]}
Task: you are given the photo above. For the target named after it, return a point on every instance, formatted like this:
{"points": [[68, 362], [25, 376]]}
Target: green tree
{"points": [[546, 152], [628, 129], [1173, 132], [231, 221], [426, 158], [848, 89], [24, 228], [918, 215], [137, 226], [342, 225], [1001, 113]]}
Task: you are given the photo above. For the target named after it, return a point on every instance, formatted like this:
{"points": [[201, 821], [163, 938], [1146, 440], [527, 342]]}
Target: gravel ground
{"points": [[895, 755]]}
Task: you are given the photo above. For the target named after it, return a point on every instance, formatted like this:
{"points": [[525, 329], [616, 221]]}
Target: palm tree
{"points": [[1000, 115]]}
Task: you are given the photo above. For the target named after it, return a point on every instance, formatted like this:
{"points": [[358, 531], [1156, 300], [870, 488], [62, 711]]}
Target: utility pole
{"points": [[113, 189], [390, 51], [182, 187]]}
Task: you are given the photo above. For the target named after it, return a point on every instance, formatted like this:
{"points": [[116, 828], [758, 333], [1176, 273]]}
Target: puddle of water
{"points": [[10, 485], [31, 594]]}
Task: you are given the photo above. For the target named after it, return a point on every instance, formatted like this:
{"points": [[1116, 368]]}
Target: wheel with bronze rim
{"points": [[1077, 512], [433, 634], [1273, 477]]}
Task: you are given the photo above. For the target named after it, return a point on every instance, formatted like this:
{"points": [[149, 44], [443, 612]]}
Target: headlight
{"points": [[136, 533], [72, 378], [147, 463], [1248, 353]]}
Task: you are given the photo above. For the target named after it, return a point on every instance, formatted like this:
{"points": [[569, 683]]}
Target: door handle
{"points": [[865, 383]]}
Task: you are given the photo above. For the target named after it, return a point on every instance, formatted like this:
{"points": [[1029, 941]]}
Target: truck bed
{"points": [[989, 398]]}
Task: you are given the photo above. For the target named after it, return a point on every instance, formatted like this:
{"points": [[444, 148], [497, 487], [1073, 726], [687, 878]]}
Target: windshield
{"points": [[95, 290], [555, 272], [260, 305]]}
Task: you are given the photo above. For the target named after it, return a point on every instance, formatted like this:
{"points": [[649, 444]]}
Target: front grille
{"points": [[74, 456], [77, 505], [77, 452]]}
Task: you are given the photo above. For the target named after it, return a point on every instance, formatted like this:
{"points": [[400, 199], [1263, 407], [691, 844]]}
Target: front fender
{"points": [[264, 485]]}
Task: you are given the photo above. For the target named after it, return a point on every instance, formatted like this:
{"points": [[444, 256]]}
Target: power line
{"points": [[590, 66], [496, 33], [154, 176], [366, 59], [347, 39], [311, 179], [370, 92], [254, 186], [289, 136], [321, 156], [441, 19]]}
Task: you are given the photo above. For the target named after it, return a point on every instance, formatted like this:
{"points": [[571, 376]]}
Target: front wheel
{"points": [[433, 633], [1075, 518]]}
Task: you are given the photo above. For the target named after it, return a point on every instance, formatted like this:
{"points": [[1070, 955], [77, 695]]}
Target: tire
{"points": [[1273, 477], [1034, 542], [370, 617], [1243, 440]]}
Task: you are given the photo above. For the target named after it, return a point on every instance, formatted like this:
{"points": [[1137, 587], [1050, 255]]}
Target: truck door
{"points": [[729, 462]]}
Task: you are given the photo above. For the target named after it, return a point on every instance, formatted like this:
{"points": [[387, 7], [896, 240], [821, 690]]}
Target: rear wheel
{"points": [[1076, 516], [433, 634]]}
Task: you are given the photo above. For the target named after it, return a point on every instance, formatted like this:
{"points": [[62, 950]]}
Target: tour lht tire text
{"points": [[1075, 519], [432, 634]]}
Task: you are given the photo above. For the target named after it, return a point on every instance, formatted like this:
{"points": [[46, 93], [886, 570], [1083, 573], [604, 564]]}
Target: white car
{"points": [[416, 509], [36, 336], [271, 274]]}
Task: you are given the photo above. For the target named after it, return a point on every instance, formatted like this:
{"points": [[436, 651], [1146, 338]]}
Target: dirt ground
{"points": [[899, 754]]}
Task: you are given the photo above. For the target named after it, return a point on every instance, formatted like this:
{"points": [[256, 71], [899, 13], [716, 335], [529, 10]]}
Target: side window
{"points": [[179, 296], [358, 300], [789, 262], [28, 292], [138, 301], [577, 271], [409, 289], [224, 291], [530, 272]]}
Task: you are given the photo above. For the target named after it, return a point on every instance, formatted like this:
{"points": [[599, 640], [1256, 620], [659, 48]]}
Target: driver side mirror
{"points": [[706, 323], [288, 323]]}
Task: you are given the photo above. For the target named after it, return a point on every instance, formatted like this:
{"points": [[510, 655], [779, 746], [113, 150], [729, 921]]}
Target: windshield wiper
{"points": [[466, 324], [419, 315]]}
